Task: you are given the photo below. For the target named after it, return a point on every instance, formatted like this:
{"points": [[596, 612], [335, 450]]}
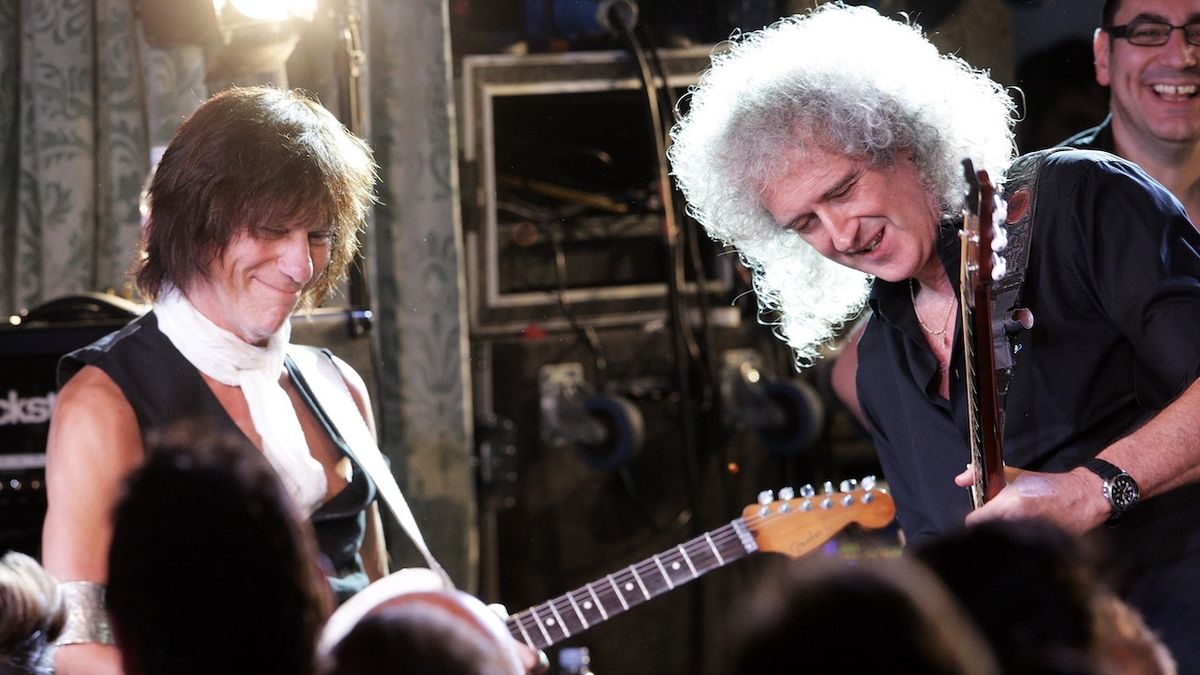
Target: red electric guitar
{"points": [[981, 264]]}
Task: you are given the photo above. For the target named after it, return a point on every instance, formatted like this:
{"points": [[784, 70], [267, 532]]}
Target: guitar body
{"points": [[424, 593]]}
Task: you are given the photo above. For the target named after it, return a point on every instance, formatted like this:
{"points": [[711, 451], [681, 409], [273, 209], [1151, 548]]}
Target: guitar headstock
{"points": [[796, 524], [983, 234]]}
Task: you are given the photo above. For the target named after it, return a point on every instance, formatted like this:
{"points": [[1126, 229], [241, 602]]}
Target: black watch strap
{"points": [[1104, 469]]}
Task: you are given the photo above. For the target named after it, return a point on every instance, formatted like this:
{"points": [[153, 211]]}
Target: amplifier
{"points": [[29, 354], [30, 347]]}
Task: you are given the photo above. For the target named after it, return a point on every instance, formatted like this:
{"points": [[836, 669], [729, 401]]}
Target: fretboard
{"points": [[979, 488], [551, 622]]}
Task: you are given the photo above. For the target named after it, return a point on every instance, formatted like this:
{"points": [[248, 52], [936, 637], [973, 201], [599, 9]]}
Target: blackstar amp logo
{"points": [[15, 409]]}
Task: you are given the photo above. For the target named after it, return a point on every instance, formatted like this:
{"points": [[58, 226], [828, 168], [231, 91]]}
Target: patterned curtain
{"points": [[84, 99], [416, 255], [73, 147]]}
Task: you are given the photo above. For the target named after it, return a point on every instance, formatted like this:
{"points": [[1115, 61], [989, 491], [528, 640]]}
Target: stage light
{"points": [[264, 10], [258, 37]]}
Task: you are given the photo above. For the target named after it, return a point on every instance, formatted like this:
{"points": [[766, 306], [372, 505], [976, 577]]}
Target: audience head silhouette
{"points": [[872, 616], [210, 569], [409, 622], [1028, 587], [32, 615]]}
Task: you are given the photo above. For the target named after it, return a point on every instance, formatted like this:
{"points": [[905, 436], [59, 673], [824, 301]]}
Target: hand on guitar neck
{"points": [[1066, 499], [966, 479]]}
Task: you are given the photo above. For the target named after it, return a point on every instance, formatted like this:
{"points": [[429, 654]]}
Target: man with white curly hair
{"points": [[828, 150]]}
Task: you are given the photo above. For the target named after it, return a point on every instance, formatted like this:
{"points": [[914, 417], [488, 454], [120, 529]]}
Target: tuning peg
{"points": [[868, 498], [827, 488], [868, 482], [999, 239], [999, 211], [766, 497], [827, 503], [848, 485], [999, 267], [847, 500], [786, 493], [807, 491]]}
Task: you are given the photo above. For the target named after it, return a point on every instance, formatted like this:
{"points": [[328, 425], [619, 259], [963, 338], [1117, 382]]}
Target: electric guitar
{"points": [[982, 241], [793, 525]]}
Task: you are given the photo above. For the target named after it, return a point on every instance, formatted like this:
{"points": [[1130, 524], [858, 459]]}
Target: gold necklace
{"points": [[912, 293]]}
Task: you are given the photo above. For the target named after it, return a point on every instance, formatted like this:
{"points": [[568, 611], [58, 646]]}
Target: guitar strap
{"points": [[1008, 316], [320, 381]]}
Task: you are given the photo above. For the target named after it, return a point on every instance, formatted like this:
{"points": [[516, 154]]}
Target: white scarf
{"points": [[229, 360]]}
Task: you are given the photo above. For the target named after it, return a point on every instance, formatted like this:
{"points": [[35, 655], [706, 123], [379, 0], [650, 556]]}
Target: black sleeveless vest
{"points": [[163, 387]]}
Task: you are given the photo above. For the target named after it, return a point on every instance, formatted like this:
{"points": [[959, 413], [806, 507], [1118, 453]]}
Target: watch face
{"points": [[1123, 492]]}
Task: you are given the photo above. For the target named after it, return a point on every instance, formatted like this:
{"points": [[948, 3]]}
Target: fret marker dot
{"points": [[628, 586], [549, 622], [675, 566], [587, 604]]}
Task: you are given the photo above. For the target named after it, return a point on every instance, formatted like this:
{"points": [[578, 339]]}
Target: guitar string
{"points": [[723, 535], [623, 577], [973, 408], [563, 606], [647, 571]]}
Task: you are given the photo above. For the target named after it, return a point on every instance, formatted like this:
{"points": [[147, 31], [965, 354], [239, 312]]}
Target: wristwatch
{"points": [[1120, 489]]}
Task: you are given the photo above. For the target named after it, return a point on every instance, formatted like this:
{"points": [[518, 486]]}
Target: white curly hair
{"points": [[851, 82]]}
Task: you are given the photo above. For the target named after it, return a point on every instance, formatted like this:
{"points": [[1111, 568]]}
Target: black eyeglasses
{"points": [[1154, 33]]}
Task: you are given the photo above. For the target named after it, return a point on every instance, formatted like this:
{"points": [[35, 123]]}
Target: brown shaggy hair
{"points": [[251, 157]]}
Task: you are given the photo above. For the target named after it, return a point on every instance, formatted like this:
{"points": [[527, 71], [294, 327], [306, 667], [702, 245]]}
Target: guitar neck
{"points": [[983, 414], [551, 622], [983, 411]]}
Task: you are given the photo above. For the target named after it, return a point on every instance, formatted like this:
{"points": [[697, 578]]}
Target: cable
{"points": [[684, 348], [587, 334], [667, 98], [702, 352]]}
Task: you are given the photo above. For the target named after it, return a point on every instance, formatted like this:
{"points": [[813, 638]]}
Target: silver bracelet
{"points": [[87, 618]]}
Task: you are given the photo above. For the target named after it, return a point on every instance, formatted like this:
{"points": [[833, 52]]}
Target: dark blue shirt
{"points": [[1099, 137]]}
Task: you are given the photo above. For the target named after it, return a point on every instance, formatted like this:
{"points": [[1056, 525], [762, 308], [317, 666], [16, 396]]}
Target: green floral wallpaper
{"points": [[73, 147], [416, 267]]}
